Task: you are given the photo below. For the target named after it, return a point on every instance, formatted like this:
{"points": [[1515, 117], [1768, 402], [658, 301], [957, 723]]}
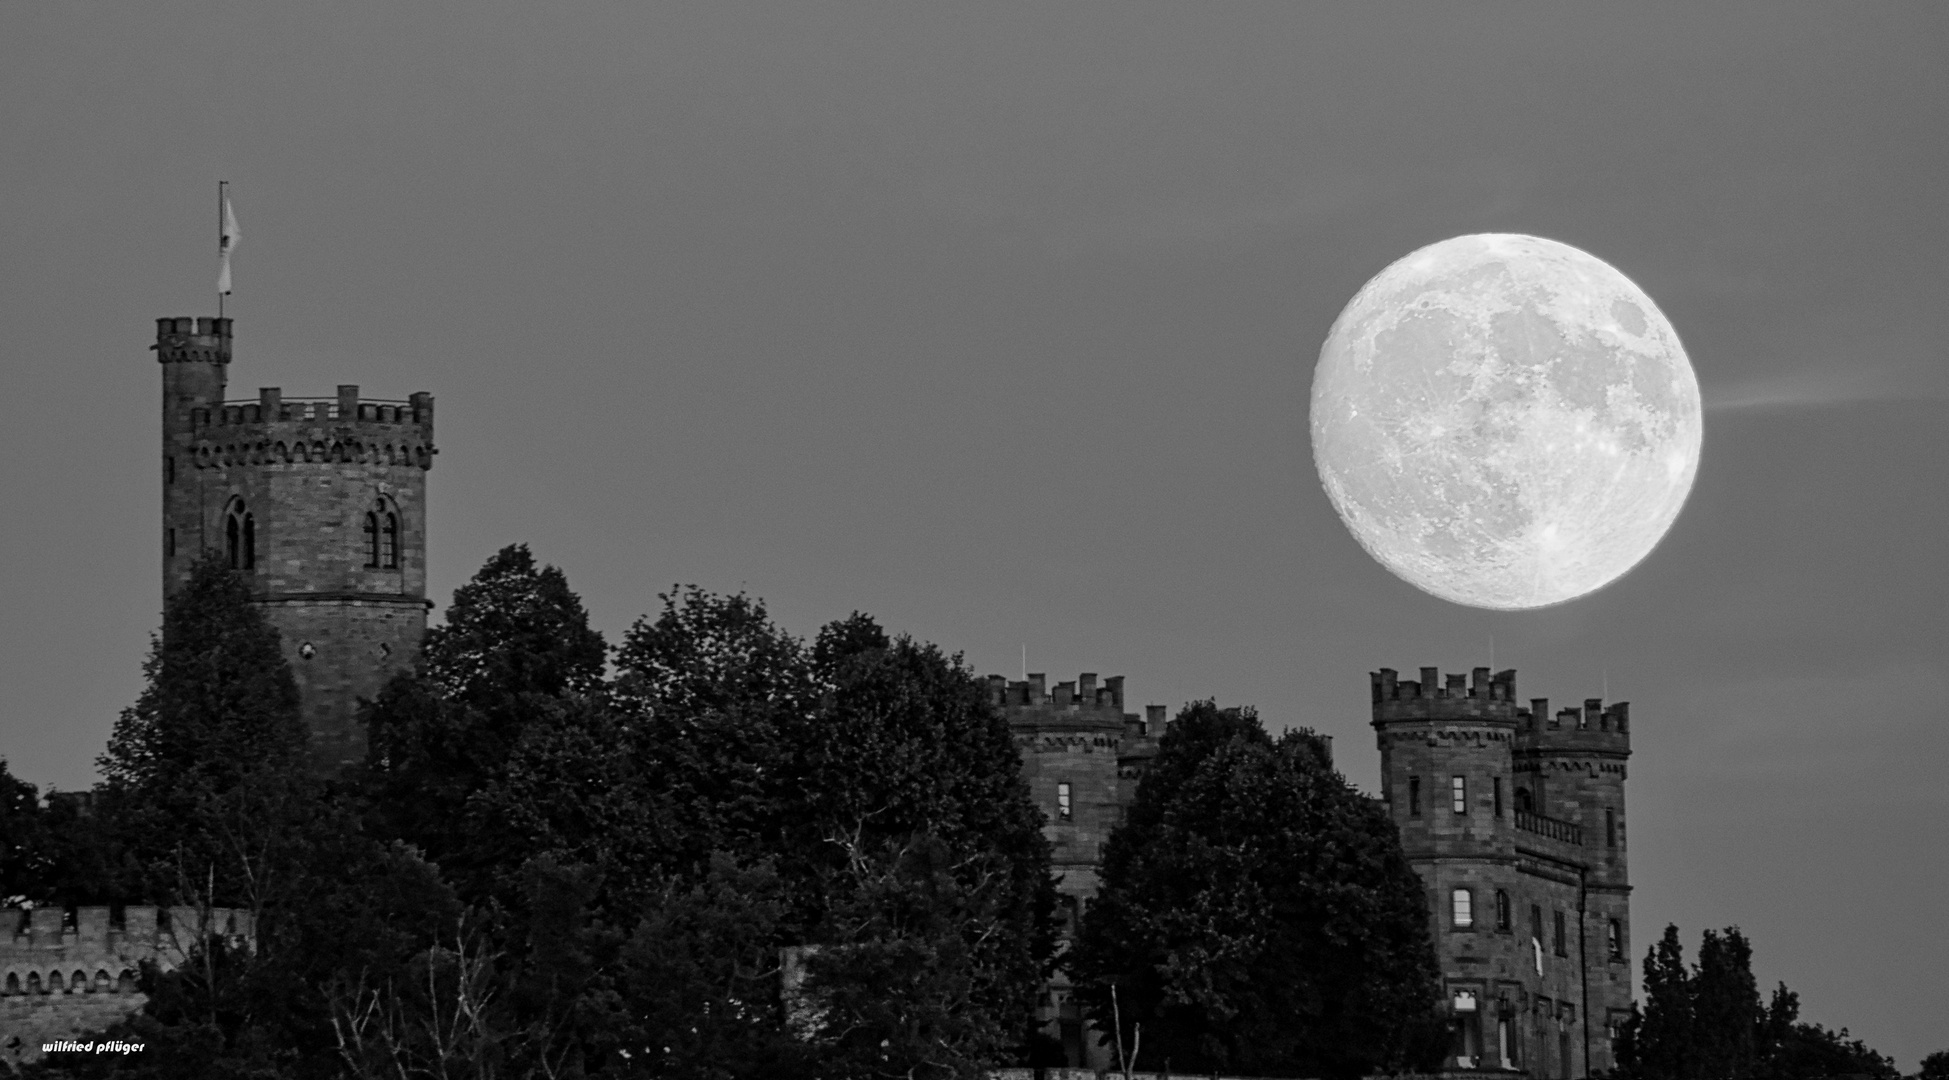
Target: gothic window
{"points": [[240, 536], [1062, 801], [1502, 911], [1458, 790], [1557, 943], [1610, 827], [389, 541], [1615, 938], [1462, 905], [382, 536], [1414, 796], [372, 541], [1524, 805]]}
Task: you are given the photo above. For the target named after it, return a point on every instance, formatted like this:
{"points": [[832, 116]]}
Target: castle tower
{"points": [[319, 502], [1082, 756], [1514, 821]]}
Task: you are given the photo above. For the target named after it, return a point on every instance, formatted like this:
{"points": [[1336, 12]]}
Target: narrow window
{"points": [[1536, 923], [1497, 786], [1610, 827], [1062, 800], [1616, 939], [1558, 945], [250, 542], [389, 549], [232, 538], [1414, 796], [372, 541], [169, 542], [1458, 788], [1502, 911], [169, 470], [1524, 805], [1464, 909]]}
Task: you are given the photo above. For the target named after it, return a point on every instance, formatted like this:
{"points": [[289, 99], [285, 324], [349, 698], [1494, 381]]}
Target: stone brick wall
{"points": [[65, 974], [1508, 998], [307, 472]]}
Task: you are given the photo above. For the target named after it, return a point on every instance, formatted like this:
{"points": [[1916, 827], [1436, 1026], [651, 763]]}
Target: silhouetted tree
{"points": [[1256, 914], [1935, 1066]]}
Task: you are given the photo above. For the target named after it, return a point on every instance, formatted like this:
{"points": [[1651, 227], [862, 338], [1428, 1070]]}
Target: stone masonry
{"points": [[1515, 820], [65, 974], [320, 502]]}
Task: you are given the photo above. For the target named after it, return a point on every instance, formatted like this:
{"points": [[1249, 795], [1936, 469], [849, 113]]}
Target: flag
{"points": [[226, 243]]}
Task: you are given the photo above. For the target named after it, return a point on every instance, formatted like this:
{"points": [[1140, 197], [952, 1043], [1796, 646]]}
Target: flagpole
{"points": [[221, 185]]}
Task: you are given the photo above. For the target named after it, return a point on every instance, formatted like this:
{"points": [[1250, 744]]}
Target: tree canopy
{"points": [[1257, 915]]}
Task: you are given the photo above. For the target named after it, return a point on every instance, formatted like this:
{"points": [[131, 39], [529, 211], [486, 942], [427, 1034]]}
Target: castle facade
{"points": [[319, 502]]}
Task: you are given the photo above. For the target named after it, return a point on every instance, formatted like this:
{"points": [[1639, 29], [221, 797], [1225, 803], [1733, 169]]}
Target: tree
{"points": [[516, 645], [1256, 914], [1935, 1066], [215, 731], [1792, 1050]]}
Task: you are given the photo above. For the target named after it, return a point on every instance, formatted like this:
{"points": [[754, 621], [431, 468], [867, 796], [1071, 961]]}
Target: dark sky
{"points": [[999, 322]]}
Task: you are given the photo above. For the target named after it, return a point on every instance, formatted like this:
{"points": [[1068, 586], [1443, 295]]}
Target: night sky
{"points": [[999, 323]]}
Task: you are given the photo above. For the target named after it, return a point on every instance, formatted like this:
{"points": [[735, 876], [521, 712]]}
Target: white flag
{"points": [[226, 243]]}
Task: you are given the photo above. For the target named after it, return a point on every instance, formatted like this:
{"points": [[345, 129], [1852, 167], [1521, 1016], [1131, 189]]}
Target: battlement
{"points": [[275, 429], [1592, 727], [139, 930], [1474, 696], [271, 406], [1085, 694], [181, 340]]}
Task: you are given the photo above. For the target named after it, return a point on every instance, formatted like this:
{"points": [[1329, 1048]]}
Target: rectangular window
{"points": [[1558, 944], [1536, 921], [1616, 937], [1463, 906], [1458, 788], [1610, 827], [1502, 911], [169, 470], [1062, 801], [1498, 793], [1414, 796], [169, 542]]}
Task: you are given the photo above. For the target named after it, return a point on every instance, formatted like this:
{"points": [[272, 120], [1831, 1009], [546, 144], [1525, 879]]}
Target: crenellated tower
{"points": [[319, 502], [1515, 820]]}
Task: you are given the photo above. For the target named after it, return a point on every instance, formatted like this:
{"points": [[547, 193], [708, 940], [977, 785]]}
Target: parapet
{"points": [[1593, 727], [1033, 693], [192, 340], [276, 430], [136, 931], [1475, 696]]}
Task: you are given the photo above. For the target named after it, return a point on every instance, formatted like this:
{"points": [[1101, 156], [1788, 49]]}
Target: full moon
{"points": [[1505, 421]]}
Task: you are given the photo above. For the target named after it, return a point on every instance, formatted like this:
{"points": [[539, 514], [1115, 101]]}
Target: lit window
{"points": [[1062, 800], [1502, 911], [1616, 938], [1414, 796], [1464, 908], [1458, 789], [1558, 945]]}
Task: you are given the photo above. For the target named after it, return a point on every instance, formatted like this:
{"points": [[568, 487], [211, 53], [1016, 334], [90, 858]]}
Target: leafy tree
{"points": [[515, 646], [24, 841], [1792, 1050], [1257, 915], [1656, 1043], [216, 729], [1935, 1066]]}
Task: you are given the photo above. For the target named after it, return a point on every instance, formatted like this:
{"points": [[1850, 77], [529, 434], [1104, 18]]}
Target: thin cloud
{"points": [[1818, 389]]}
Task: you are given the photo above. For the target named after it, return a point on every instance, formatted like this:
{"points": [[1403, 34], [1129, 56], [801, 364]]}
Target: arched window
{"points": [[1616, 939], [1523, 801], [389, 541], [1502, 911], [382, 536], [1463, 908], [240, 536], [372, 541]]}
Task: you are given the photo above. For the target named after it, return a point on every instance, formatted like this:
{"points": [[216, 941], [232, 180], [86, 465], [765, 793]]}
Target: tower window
{"points": [[1536, 922], [1502, 911], [389, 542], [1414, 796], [1458, 789], [1615, 938], [240, 537], [169, 470], [1524, 804], [1496, 784], [1610, 827], [1063, 808], [1462, 905], [372, 541], [169, 542], [1557, 945]]}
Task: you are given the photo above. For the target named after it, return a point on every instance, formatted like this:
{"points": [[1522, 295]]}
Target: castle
{"points": [[1513, 817]]}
